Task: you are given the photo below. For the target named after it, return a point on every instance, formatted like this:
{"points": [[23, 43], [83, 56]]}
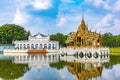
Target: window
{"points": [[49, 46], [17, 45], [28, 46], [45, 46], [32, 46], [24, 46], [52, 46], [36, 46], [40, 46], [20, 46]]}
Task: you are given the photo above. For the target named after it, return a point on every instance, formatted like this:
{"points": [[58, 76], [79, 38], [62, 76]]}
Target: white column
{"points": [[18, 58], [15, 45], [21, 58], [33, 45], [22, 46], [47, 45], [34, 57], [51, 58], [29, 58], [43, 46], [42, 58], [26, 45], [57, 45], [38, 46], [47, 60]]}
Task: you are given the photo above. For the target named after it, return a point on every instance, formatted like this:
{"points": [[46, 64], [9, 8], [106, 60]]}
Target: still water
{"points": [[52, 67]]}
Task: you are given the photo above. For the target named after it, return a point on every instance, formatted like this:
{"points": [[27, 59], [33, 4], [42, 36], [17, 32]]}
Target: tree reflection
{"points": [[113, 61], [58, 65], [9, 70]]}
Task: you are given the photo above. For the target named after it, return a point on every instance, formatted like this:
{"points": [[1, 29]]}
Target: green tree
{"points": [[110, 40], [59, 37], [11, 32]]}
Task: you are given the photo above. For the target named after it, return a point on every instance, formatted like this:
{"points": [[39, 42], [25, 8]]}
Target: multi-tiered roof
{"points": [[84, 37]]}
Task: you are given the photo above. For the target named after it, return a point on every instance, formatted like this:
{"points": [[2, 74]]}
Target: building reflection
{"points": [[36, 61], [82, 69], [85, 71]]}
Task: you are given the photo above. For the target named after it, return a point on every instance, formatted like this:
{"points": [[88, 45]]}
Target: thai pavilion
{"points": [[83, 37], [38, 41]]}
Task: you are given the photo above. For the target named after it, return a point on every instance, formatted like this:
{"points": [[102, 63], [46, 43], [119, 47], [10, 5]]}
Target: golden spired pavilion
{"points": [[83, 37]]}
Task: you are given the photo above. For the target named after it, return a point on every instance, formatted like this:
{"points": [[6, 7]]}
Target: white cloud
{"points": [[20, 17], [105, 21], [61, 22], [36, 4], [109, 23], [115, 29], [23, 3], [42, 4], [116, 6], [111, 74], [117, 71], [100, 3]]}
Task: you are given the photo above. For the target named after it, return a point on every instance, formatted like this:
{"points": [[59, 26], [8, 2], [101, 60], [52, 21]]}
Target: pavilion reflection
{"points": [[85, 71]]}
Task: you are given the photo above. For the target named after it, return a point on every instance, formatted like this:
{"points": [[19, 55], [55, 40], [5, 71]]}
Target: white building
{"points": [[38, 41]]}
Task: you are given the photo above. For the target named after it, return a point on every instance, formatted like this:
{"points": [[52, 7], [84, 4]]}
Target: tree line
{"points": [[111, 40], [11, 32]]}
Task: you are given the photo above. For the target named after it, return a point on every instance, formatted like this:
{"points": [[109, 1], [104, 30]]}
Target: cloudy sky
{"points": [[52, 16]]}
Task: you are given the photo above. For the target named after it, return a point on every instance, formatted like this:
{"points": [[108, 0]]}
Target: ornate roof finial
{"points": [[83, 22], [96, 31], [82, 15], [90, 29]]}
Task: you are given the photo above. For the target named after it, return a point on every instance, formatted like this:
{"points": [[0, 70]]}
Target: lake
{"points": [[6, 47], [40, 67]]}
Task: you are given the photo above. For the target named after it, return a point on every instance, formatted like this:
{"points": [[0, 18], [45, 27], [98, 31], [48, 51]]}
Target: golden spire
{"points": [[82, 16], [82, 22], [82, 27]]}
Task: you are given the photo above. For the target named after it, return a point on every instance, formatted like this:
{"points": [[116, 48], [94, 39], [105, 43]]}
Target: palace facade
{"points": [[83, 37], [38, 41]]}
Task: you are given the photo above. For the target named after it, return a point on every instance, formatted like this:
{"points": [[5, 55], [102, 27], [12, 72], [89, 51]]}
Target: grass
{"points": [[115, 51]]}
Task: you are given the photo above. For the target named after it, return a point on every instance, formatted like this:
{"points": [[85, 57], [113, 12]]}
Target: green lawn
{"points": [[115, 51]]}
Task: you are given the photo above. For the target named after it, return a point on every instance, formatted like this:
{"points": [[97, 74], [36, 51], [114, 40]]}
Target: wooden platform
{"points": [[37, 52]]}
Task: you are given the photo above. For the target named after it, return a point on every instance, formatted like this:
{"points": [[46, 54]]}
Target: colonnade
{"points": [[37, 46]]}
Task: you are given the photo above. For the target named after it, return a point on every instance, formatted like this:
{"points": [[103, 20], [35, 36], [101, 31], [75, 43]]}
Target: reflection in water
{"points": [[37, 61], [85, 71], [9, 70], [57, 67]]}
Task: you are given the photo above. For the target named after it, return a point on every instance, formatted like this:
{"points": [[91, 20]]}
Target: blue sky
{"points": [[52, 16]]}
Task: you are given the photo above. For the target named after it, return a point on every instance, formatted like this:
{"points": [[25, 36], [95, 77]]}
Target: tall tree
{"points": [[11, 32]]}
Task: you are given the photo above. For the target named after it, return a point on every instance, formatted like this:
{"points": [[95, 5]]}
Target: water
{"points": [[50, 67], [2, 47]]}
